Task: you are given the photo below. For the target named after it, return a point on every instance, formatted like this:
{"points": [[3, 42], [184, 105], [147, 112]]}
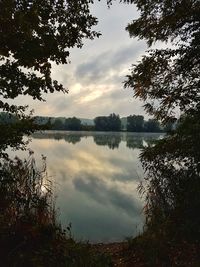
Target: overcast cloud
{"points": [[97, 71]]}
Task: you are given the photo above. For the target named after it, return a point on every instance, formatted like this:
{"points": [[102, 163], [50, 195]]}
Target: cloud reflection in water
{"points": [[96, 176]]}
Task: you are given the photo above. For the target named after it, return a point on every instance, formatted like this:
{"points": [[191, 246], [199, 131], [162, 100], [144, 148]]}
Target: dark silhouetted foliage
{"points": [[135, 123], [87, 127], [171, 75], [108, 123], [58, 124], [152, 126], [167, 80], [33, 35], [72, 124]]}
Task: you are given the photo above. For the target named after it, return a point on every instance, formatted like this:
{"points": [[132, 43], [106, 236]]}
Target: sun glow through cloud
{"points": [[96, 73]]}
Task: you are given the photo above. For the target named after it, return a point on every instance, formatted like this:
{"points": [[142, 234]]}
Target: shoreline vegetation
{"points": [[30, 232], [111, 123], [32, 236]]}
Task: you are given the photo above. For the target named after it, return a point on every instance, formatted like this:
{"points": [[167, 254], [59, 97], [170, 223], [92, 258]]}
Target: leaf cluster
{"points": [[35, 34], [167, 78]]}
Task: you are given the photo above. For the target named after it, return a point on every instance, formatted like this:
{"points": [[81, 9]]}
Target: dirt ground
{"points": [[120, 254]]}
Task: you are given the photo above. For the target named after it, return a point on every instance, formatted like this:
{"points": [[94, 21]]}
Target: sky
{"points": [[96, 73]]}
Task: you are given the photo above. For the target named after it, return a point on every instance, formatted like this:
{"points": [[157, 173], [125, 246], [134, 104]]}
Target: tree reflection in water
{"points": [[112, 139]]}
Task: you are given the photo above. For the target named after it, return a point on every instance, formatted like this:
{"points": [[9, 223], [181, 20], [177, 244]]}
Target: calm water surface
{"points": [[96, 176]]}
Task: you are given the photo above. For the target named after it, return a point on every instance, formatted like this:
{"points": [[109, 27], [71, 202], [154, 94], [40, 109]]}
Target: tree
{"points": [[101, 123], [152, 126], [109, 123], [33, 35], [167, 79], [135, 123], [72, 124], [172, 76], [58, 124], [114, 122], [169, 127]]}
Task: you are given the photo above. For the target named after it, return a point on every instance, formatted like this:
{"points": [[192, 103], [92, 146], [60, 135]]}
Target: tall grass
{"points": [[30, 234]]}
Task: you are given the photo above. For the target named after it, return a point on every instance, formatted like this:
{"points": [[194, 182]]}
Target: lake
{"points": [[96, 175]]}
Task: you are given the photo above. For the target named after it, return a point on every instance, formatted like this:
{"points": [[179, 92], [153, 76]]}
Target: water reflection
{"points": [[69, 138], [101, 193], [96, 176], [111, 140], [135, 142]]}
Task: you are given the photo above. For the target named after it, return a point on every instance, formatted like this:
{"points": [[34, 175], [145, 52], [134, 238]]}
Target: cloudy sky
{"points": [[94, 77]]}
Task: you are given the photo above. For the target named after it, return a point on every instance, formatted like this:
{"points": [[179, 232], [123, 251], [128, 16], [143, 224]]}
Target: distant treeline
{"points": [[133, 123], [113, 122]]}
